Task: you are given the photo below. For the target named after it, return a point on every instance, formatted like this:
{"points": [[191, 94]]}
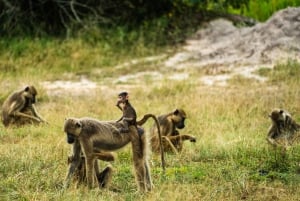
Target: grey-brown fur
{"points": [[90, 135], [104, 177], [172, 139], [18, 109], [284, 130]]}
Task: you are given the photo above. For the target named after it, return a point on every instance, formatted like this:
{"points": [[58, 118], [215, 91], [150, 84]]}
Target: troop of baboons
{"points": [[94, 140]]}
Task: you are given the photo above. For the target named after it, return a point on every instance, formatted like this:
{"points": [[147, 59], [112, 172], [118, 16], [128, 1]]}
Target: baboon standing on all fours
{"points": [[92, 136], [172, 139], [18, 108]]}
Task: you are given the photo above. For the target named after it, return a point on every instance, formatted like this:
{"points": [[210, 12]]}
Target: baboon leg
{"points": [[149, 184], [138, 159], [20, 114], [96, 167], [181, 137], [104, 178], [168, 144], [75, 162], [91, 173], [104, 156]]}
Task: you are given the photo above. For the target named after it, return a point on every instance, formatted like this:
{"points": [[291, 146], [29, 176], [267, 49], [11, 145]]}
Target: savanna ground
{"points": [[231, 159]]}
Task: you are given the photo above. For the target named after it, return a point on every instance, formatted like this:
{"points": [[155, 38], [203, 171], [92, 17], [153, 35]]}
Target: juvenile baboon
{"points": [[77, 167], [19, 109], [172, 139], [129, 114], [92, 135], [284, 130], [104, 177]]}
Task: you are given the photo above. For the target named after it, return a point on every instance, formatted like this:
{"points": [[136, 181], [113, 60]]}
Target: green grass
{"points": [[231, 159]]}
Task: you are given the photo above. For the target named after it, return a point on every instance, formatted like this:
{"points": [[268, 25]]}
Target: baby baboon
{"points": [[19, 108], [172, 139], [129, 114], [102, 136], [284, 130]]}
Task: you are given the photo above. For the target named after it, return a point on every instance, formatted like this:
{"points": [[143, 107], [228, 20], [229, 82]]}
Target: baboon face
{"points": [[279, 116], [30, 92], [178, 118], [72, 128]]}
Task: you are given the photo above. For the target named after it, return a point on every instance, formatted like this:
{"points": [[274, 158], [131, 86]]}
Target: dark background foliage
{"points": [[55, 17]]}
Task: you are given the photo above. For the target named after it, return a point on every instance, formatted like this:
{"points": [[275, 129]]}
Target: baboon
{"points": [[18, 108], [172, 139], [129, 113], [104, 177], [92, 134], [284, 130], [77, 166]]}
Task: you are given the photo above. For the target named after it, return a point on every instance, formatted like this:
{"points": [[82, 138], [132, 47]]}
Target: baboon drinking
{"points": [[19, 109], [92, 135], [284, 130], [172, 139]]}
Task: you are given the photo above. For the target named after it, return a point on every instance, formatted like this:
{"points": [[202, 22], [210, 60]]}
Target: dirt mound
{"points": [[222, 45]]}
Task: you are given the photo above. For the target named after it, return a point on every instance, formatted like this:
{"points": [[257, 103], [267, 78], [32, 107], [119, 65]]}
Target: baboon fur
{"points": [[18, 109], [284, 130], [171, 138], [92, 134], [104, 177]]}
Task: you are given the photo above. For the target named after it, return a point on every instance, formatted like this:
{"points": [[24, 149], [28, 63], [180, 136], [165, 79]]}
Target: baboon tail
{"points": [[141, 122]]}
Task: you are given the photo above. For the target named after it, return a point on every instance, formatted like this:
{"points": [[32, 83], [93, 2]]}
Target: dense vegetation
{"points": [[65, 18]]}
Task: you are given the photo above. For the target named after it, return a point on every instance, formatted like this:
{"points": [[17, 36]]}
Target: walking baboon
{"points": [[129, 114], [19, 109], [284, 130], [92, 135], [172, 139]]}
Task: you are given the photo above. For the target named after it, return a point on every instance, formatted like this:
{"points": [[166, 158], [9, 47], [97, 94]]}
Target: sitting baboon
{"points": [[284, 130], [129, 114], [105, 136], [172, 139], [104, 177], [18, 108], [77, 167]]}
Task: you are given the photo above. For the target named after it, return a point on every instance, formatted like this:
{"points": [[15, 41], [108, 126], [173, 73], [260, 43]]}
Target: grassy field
{"points": [[231, 159]]}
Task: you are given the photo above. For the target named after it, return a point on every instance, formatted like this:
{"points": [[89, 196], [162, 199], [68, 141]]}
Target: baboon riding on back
{"points": [[94, 136]]}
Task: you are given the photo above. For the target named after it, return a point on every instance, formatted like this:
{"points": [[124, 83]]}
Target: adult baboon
{"points": [[19, 108], [284, 130], [172, 139], [105, 136]]}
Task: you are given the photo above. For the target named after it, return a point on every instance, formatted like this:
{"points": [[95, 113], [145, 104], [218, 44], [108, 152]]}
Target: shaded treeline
{"points": [[56, 17]]}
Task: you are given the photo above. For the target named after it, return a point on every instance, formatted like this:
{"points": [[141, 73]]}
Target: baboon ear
{"points": [[281, 111], [176, 112], [26, 88]]}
